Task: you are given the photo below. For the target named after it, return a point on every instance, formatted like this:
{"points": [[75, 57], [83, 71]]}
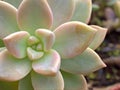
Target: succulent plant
{"points": [[48, 44]]}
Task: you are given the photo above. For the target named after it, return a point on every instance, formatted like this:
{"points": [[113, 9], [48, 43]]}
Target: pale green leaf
{"points": [[16, 43], [74, 82], [40, 82], [82, 11], [49, 64], [33, 54], [47, 37], [99, 37], [72, 38], [62, 11], [84, 63], [34, 14], [13, 69], [8, 23]]}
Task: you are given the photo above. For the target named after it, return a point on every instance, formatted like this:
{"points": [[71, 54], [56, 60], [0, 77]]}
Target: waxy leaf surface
{"points": [[73, 38], [99, 37], [12, 69], [40, 82], [34, 14], [16, 43], [74, 82], [8, 23], [84, 63], [62, 11], [49, 64], [82, 12]]}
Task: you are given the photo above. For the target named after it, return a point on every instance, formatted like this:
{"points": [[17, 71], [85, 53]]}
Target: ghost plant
{"points": [[48, 44]]}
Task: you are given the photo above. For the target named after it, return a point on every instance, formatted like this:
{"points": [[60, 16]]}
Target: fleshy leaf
{"points": [[49, 64], [32, 40], [16, 43], [99, 37], [74, 82], [25, 83], [12, 69], [73, 38], [85, 63], [33, 54], [4, 85], [15, 3], [47, 37], [40, 82], [34, 14], [8, 23], [62, 11], [82, 10]]}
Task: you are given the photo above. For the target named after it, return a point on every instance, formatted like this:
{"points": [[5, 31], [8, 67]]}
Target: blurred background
{"points": [[106, 13]]}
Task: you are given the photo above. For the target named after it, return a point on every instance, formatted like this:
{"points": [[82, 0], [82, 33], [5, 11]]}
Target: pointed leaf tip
{"points": [[72, 38], [99, 37], [85, 63]]}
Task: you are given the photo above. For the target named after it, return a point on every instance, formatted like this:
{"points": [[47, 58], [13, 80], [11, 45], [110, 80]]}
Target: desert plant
{"points": [[44, 38]]}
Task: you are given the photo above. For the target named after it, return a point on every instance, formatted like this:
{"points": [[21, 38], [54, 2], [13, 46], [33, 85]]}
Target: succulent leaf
{"points": [[47, 38], [15, 3], [84, 63], [82, 12], [25, 83], [99, 37], [74, 82], [62, 11], [32, 40], [16, 43], [40, 82], [49, 64], [34, 14], [12, 69], [8, 23], [72, 38], [33, 54]]}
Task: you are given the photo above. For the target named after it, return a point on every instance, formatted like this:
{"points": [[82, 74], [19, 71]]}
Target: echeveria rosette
{"points": [[38, 37]]}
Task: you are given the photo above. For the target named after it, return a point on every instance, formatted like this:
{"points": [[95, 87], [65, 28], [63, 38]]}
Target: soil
{"points": [[107, 78]]}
